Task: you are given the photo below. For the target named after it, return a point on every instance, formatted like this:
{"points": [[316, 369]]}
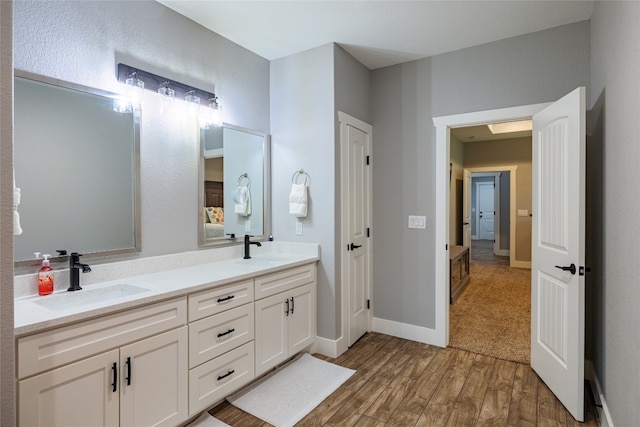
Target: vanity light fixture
{"points": [[159, 84]]}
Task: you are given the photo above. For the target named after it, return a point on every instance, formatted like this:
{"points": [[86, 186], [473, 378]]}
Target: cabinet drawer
{"points": [[214, 335], [272, 284], [50, 349], [217, 300], [218, 378]]}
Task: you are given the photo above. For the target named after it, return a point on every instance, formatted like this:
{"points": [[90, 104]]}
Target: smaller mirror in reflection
{"points": [[234, 185]]}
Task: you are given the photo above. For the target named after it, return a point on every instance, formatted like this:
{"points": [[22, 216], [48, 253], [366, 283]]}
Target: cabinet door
{"points": [[271, 332], [154, 380], [302, 319], [80, 394]]}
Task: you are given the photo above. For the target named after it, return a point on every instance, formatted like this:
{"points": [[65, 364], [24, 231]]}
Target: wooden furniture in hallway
{"points": [[401, 382], [458, 270]]}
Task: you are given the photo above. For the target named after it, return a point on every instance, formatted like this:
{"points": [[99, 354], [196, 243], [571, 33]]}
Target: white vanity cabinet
{"points": [[126, 369], [285, 315]]}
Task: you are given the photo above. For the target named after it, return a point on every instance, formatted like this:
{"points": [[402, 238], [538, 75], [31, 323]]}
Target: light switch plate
{"points": [[417, 221], [247, 226], [523, 212], [298, 228]]}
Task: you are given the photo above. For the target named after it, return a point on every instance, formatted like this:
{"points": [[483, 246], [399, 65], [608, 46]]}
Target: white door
{"points": [[356, 222], [154, 380], [485, 209], [557, 259], [466, 209]]}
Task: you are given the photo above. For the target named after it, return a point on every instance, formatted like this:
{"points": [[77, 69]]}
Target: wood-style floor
{"points": [[482, 252], [405, 383]]}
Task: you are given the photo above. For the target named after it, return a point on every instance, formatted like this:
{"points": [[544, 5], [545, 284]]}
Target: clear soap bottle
{"points": [[45, 277]]}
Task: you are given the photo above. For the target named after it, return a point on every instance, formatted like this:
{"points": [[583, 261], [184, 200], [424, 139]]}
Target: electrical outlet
{"points": [[298, 228], [247, 226]]}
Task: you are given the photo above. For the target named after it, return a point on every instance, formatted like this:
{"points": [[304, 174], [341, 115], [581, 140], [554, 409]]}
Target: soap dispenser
{"points": [[45, 277]]}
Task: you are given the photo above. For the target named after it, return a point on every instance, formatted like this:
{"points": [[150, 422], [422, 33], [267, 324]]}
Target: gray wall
{"points": [[82, 42], [613, 207], [311, 87], [7, 374], [534, 68]]}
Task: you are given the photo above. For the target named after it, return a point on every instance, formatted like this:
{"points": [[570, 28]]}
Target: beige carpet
{"points": [[492, 316]]}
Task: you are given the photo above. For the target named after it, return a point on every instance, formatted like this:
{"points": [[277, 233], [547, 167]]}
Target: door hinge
{"points": [[368, 232], [368, 304], [368, 159]]}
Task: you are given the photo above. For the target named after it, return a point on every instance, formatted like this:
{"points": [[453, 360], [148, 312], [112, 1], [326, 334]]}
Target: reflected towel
{"points": [[242, 199], [298, 200], [17, 230]]}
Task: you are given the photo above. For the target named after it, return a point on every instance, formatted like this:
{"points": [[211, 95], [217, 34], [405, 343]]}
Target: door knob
{"points": [[571, 268], [352, 246]]}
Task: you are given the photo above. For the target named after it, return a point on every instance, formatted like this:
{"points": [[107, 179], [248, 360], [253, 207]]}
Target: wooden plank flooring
{"points": [[482, 252], [405, 383]]}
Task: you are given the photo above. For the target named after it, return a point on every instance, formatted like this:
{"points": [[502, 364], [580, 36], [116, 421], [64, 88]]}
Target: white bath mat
{"points": [[285, 396], [207, 420]]}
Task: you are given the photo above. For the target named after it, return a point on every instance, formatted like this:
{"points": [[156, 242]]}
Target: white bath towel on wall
{"points": [[242, 199], [17, 229], [298, 200]]}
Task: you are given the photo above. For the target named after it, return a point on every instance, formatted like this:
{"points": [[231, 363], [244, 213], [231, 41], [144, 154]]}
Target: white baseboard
{"points": [[503, 252], [603, 411], [329, 348], [521, 264], [406, 331]]}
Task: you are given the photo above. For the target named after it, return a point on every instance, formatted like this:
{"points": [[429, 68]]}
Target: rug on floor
{"points": [[285, 396], [492, 316]]}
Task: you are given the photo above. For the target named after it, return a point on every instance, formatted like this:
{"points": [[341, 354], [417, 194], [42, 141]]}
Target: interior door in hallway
{"points": [[485, 209], [355, 143], [557, 257], [466, 208]]}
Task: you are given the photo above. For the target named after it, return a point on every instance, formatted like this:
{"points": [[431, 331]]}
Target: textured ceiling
{"points": [[377, 33]]}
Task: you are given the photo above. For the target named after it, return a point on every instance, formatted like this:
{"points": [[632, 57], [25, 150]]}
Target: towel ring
{"points": [[244, 176], [299, 173]]}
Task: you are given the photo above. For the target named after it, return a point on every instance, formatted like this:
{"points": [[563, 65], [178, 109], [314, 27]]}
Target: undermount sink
{"points": [[67, 300]]}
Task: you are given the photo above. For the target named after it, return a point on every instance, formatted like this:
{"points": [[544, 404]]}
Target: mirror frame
{"points": [[266, 167], [137, 219]]}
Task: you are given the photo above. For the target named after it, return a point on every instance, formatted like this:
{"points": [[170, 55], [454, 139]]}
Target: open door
{"points": [[557, 259]]}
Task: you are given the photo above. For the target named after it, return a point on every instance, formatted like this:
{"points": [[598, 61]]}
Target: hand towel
{"points": [[206, 420], [17, 230], [242, 199], [298, 200]]}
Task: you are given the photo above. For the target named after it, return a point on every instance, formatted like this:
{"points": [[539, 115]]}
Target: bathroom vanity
{"points": [[162, 355]]}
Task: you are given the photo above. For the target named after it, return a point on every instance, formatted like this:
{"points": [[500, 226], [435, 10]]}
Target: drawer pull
{"points": [[226, 298], [114, 385], [287, 304], [221, 334], [220, 377], [291, 305]]}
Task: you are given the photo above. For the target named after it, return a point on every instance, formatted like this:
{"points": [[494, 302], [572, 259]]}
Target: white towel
{"points": [[17, 230], [242, 199], [298, 200]]}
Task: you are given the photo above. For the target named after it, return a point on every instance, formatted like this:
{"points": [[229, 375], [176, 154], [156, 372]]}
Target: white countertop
{"points": [[30, 316]]}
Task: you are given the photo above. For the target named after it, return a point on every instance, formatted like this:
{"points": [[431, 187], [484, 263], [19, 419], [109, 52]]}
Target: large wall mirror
{"points": [[234, 185], [76, 161]]}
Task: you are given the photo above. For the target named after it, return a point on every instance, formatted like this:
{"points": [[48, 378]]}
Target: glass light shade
{"points": [[135, 88], [193, 103], [168, 97], [212, 115]]}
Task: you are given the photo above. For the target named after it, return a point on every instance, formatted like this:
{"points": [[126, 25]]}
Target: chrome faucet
{"points": [[74, 269], [247, 245]]}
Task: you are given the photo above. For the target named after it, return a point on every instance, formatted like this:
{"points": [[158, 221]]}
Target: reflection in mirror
{"points": [[76, 161], [234, 185]]}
